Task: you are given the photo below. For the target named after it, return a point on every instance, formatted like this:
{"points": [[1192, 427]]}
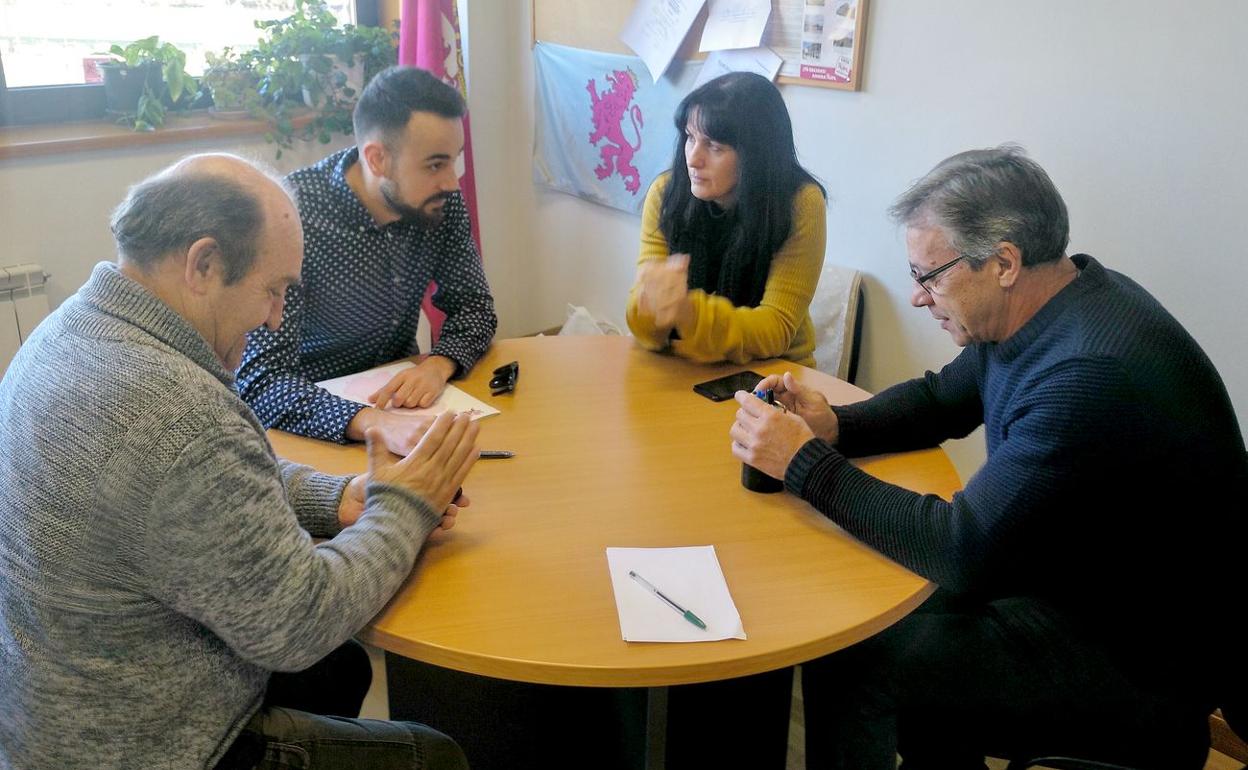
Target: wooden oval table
{"points": [[613, 448]]}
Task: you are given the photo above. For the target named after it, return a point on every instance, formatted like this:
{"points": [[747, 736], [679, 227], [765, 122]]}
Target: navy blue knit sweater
{"points": [[1114, 486]]}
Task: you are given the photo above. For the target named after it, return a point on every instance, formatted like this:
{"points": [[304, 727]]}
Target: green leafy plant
{"points": [[171, 61], [232, 83], [305, 58]]}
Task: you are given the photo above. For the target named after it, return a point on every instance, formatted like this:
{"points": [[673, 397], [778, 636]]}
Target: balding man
{"points": [[1080, 564], [156, 559]]}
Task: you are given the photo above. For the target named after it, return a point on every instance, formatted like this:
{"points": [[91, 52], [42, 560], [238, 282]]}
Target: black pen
{"points": [[496, 454]]}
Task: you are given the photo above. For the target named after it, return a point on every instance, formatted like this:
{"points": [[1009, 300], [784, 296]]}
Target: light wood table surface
{"points": [[613, 448]]}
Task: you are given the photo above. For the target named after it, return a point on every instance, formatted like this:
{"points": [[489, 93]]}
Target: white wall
{"points": [[54, 211], [1136, 108], [1137, 111]]}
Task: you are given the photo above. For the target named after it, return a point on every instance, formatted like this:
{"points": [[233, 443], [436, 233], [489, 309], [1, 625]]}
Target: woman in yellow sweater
{"points": [[732, 238]]}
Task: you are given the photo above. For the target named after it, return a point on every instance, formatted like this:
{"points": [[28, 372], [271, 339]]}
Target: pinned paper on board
{"points": [[762, 61], [655, 30], [734, 24], [359, 386]]}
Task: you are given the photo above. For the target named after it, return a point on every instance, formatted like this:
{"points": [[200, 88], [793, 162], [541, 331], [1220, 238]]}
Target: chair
{"points": [[1226, 725], [836, 311], [1226, 732]]}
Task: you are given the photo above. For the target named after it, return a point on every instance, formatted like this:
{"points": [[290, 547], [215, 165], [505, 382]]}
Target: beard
{"points": [[416, 215]]}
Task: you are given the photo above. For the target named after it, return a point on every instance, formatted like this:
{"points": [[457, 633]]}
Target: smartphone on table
{"points": [[723, 388]]}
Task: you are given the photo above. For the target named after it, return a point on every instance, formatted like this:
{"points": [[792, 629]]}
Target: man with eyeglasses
{"points": [[1076, 568]]}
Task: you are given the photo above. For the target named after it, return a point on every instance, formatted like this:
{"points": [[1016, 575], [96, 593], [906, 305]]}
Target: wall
{"points": [[1136, 111], [55, 210]]}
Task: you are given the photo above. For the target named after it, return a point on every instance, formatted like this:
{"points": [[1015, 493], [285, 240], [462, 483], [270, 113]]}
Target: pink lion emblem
{"points": [[609, 109]]}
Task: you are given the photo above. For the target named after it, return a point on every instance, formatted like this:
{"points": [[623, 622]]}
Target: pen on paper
{"points": [[496, 454], [689, 616]]}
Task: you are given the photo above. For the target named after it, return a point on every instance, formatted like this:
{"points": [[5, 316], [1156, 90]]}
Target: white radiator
{"points": [[23, 304]]}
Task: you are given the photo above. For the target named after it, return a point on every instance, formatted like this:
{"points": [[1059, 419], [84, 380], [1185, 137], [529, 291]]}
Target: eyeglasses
{"points": [[505, 378], [923, 280]]}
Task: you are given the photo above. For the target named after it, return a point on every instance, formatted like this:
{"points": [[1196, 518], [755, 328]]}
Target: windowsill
{"points": [[63, 138]]}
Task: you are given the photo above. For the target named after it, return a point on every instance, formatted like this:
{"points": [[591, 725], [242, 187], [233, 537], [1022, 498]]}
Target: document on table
{"points": [[689, 577], [734, 24], [655, 29], [359, 386]]}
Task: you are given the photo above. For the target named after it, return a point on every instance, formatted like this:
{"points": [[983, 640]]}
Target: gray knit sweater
{"points": [[156, 560]]}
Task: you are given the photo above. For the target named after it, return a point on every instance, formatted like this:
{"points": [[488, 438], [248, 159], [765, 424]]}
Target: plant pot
{"points": [[232, 91], [354, 80], [124, 85]]}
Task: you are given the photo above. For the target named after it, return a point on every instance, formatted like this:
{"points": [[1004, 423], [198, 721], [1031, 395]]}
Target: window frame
{"points": [[30, 105]]}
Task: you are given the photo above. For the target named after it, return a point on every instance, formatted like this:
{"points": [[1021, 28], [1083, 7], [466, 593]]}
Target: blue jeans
{"points": [[278, 737], [305, 722]]}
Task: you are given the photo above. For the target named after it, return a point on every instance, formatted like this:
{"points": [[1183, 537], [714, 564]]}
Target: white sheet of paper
{"points": [[734, 24], [762, 60], [655, 29], [359, 386], [690, 576]]}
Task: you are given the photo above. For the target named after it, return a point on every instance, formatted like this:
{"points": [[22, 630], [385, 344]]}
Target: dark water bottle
{"points": [[752, 478]]}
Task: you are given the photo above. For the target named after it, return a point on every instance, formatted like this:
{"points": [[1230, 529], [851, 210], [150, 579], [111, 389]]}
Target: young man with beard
{"points": [[381, 220]]}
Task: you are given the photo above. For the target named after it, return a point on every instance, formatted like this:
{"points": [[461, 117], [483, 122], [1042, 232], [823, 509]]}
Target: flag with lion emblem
{"points": [[604, 131]]}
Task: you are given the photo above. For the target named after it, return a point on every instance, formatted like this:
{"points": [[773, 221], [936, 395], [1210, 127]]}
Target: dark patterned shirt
{"points": [[359, 303]]}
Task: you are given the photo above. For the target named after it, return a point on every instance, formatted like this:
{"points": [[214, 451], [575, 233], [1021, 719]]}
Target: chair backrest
{"points": [[1227, 730], [836, 311]]}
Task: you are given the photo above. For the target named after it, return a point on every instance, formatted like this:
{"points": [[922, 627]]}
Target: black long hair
{"points": [[746, 112]]}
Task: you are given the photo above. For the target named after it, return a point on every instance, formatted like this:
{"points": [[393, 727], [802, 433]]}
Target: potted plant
{"points": [[307, 58], [142, 75], [233, 85]]}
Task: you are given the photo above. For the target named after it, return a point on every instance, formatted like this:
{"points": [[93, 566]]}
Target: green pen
{"points": [[686, 614]]}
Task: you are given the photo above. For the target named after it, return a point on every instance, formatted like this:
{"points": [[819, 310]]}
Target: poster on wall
{"points": [[820, 41]]}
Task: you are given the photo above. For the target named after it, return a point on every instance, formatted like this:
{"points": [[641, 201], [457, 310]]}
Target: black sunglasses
{"points": [[505, 378]]}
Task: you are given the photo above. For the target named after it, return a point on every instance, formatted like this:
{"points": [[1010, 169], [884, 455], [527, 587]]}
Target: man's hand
{"points": [[417, 386], [448, 519], [351, 506], [807, 403], [663, 290], [436, 468], [399, 432], [765, 437]]}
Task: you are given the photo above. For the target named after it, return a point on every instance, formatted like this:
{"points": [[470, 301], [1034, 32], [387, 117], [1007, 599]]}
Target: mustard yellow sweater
{"points": [[779, 327]]}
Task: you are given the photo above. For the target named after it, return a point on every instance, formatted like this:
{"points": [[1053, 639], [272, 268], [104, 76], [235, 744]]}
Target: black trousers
{"points": [[1013, 678], [333, 686], [504, 725]]}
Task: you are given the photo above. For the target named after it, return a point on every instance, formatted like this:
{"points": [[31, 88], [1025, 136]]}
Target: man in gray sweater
{"points": [[156, 559]]}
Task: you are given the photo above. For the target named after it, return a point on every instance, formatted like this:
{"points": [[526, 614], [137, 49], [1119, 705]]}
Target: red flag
{"points": [[429, 38]]}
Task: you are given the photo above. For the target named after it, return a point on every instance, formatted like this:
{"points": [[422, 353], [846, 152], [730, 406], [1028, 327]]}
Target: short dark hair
{"points": [[166, 213], [745, 111], [391, 97], [980, 198]]}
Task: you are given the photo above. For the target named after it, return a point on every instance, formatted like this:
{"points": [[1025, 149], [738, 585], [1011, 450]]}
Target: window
{"points": [[49, 48]]}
